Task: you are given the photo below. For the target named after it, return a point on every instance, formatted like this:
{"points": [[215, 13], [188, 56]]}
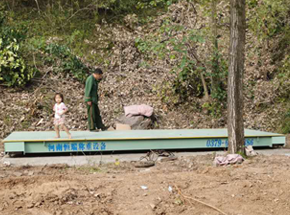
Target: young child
{"points": [[59, 117]]}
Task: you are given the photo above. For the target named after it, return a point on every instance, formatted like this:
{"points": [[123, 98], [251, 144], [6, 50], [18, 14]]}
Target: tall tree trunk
{"points": [[235, 77]]}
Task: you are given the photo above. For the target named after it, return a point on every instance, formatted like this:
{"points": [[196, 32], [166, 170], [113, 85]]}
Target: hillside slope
{"points": [[133, 76]]}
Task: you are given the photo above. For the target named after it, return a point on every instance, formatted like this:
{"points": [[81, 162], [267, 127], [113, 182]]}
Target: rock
{"points": [[133, 121], [6, 163], [30, 205], [111, 128], [17, 174], [144, 187], [136, 122], [250, 151], [58, 213], [123, 127], [18, 205], [30, 173]]}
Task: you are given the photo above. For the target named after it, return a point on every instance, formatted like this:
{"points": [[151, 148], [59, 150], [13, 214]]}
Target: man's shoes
{"points": [[105, 128]]}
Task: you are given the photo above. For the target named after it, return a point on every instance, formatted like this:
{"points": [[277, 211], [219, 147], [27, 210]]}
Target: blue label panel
{"points": [[76, 146], [224, 142]]}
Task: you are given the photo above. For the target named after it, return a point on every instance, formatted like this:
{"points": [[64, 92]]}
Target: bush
{"points": [[64, 61], [14, 70]]}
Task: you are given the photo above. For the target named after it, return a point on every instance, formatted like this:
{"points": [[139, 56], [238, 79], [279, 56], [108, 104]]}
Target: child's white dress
{"points": [[59, 109]]}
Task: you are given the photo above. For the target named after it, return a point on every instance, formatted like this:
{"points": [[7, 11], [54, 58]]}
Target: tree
{"points": [[235, 77]]}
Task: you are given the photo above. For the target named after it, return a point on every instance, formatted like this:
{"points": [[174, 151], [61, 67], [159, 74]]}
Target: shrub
{"points": [[14, 71]]}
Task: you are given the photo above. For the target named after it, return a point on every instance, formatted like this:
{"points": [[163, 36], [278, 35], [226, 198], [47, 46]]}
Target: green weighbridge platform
{"points": [[85, 141]]}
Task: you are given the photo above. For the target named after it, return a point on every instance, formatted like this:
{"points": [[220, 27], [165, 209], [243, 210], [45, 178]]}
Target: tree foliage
{"points": [[14, 70], [184, 48]]}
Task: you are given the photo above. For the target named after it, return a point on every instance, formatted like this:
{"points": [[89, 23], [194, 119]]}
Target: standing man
{"points": [[92, 98]]}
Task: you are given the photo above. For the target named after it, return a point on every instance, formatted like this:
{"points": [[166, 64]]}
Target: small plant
{"points": [[214, 108], [243, 154], [95, 169]]}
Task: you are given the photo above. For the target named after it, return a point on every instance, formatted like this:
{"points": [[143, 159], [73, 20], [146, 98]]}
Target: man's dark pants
{"points": [[94, 117]]}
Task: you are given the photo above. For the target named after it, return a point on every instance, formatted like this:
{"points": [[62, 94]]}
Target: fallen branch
{"points": [[85, 8], [38, 8], [194, 199]]}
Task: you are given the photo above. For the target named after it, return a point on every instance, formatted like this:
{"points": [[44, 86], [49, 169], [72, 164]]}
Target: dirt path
{"points": [[258, 186]]}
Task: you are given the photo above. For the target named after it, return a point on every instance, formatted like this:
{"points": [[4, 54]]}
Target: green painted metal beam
{"points": [[14, 147], [42, 142]]}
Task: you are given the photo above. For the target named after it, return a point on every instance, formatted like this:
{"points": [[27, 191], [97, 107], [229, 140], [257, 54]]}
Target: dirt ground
{"points": [[260, 185]]}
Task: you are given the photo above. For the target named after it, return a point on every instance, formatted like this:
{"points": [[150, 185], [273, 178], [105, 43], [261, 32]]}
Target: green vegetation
{"points": [[14, 69], [35, 34], [196, 74], [69, 35]]}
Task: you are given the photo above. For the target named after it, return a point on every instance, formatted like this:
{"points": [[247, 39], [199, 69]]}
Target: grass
{"points": [[90, 169], [7, 120], [25, 124]]}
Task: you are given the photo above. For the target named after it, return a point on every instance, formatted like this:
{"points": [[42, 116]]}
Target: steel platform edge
{"points": [[85, 141]]}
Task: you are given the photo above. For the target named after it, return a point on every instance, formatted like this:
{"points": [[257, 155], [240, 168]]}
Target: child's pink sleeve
{"points": [[64, 107], [53, 107]]}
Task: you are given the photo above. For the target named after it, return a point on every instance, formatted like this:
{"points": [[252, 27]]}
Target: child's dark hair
{"points": [[60, 95]]}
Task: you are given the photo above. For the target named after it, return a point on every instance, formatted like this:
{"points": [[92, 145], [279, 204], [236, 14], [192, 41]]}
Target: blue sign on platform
{"points": [[76, 146], [224, 142]]}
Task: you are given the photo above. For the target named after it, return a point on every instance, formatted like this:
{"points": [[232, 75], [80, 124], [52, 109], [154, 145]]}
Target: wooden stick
{"points": [[194, 199], [37, 6]]}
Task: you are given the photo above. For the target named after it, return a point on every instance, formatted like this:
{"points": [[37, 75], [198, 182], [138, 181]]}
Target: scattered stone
{"points": [[250, 151], [97, 195], [6, 163], [58, 213], [17, 174], [144, 164], [18, 205], [30, 205], [152, 206], [30, 173]]}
